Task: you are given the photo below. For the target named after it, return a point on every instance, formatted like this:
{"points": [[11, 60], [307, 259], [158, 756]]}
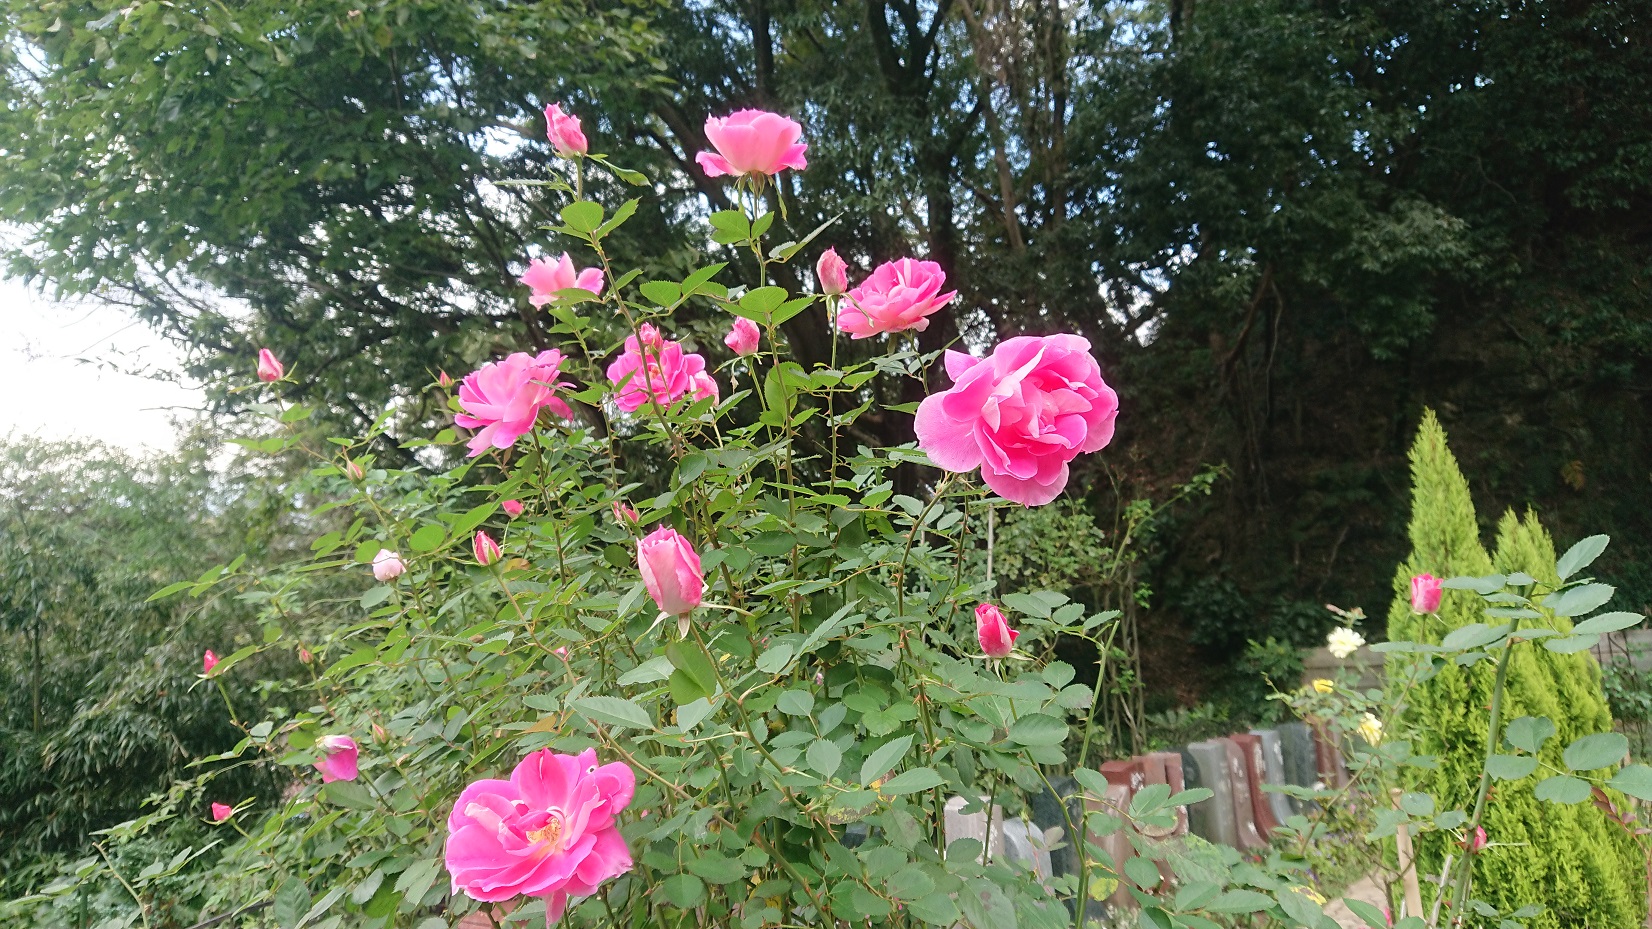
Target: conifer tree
{"points": [[1567, 858]]}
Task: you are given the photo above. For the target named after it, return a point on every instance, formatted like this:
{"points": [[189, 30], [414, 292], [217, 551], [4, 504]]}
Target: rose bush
{"points": [[505, 719]]}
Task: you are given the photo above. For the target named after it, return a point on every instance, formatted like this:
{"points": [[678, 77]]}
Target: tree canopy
{"points": [[1286, 225]]}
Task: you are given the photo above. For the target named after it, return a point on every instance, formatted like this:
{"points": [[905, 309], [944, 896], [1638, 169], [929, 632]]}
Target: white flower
{"points": [[1371, 728], [1344, 642]]}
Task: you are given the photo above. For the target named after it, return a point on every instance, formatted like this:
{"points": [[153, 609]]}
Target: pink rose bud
{"points": [[221, 812], [551, 830], [1479, 841], [338, 758], [387, 566], [353, 471], [208, 662], [831, 273], [512, 508], [897, 296], [561, 652], [564, 132], [444, 380], [650, 337], [269, 367], [379, 733], [486, 550], [752, 142], [670, 570], [743, 337], [304, 655], [994, 632], [624, 514], [1425, 594]]}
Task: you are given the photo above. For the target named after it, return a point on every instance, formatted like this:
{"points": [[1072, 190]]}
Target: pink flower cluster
{"points": [[503, 398], [653, 369], [550, 831], [1020, 415]]}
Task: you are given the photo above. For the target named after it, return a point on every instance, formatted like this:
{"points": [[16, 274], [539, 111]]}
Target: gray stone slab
{"points": [[1046, 809], [1273, 758], [1028, 846], [959, 825], [1212, 819], [1296, 743]]}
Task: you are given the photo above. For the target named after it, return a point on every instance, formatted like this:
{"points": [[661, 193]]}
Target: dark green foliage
{"points": [[1587, 871], [99, 705]]}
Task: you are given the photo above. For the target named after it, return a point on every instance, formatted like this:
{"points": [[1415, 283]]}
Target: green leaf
{"points": [[615, 711], [1241, 901], [1562, 788], [1597, 750], [1576, 601], [1581, 555], [663, 293], [716, 868], [348, 794], [1028, 604], [1566, 645], [582, 217], [292, 899], [1511, 767], [796, 703], [1365, 911], [427, 538], [1634, 780], [1473, 635], [776, 659], [937, 909], [693, 662], [691, 714], [1142, 872], [1528, 733], [1038, 729], [683, 890], [824, 757], [1607, 622], [912, 781], [885, 757]]}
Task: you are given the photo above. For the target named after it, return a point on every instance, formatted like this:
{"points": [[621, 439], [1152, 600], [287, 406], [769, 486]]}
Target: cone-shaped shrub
{"points": [[1570, 859]]}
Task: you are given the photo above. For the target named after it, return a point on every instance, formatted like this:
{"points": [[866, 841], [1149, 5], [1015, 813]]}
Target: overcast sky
{"points": [[68, 362]]}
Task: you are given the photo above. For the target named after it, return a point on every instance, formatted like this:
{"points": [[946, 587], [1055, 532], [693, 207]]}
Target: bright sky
{"points": [[70, 364]]}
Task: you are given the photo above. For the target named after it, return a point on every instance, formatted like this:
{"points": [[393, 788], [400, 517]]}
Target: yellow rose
{"points": [[1323, 685], [1371, 728]]}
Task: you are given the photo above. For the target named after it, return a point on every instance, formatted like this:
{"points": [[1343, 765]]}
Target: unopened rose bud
{"points": [[513, 508], [387, 566], [353, 471], [444, 380], [379, 734], [221, 812], [208, 662], [269, 367], [304, 655], [485, 549], [832, 273], [743, 338]]}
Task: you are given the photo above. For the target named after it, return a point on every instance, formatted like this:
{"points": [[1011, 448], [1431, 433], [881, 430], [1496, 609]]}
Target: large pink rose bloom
{"points": [[752, 142], [664, 372], [899, 295], [503, 398], [670, 569], [545, 278], [1020, 415], [549, 831]]}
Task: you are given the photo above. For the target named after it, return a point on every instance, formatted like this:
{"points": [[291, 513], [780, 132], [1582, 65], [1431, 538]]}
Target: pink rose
{"points": [[550, 831], [338, 758], [444, 380], [208, 662], [1020, 415], [221, 812], [831, 273], [1425, 593], [485, 549], [503, 398], [743, 337], [624, 513], [752, 142], [899, 295], [993, 631], [387, 566], [659, 370], [269, 366], [545, 278], [512, 508], [1478, 843], [564, 132], [670, 570]]}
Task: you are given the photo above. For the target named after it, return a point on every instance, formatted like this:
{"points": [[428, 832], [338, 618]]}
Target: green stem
{"points": [[1466, 875]]}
